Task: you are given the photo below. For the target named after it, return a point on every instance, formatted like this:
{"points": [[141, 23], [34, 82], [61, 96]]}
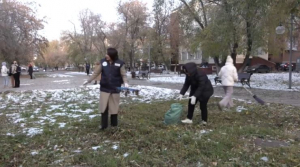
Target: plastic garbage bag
{"points": [[174, 114]]}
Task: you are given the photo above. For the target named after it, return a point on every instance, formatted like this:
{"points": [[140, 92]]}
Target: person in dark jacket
{"points": [[113, 75], [201, 90], [30, 70], [87, 67]]}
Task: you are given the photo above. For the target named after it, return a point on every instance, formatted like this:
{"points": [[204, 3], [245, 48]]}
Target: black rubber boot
{"points": [[95, 83], [104, 119], [114, 119]]}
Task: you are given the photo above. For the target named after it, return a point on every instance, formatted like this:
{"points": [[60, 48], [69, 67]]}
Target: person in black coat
{"points": [[30, 70], [201, 90], [87, 67]]}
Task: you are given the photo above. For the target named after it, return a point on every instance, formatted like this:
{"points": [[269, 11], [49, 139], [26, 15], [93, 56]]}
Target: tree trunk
{"points": [[249, 46], [234, 54], [218, 64]]}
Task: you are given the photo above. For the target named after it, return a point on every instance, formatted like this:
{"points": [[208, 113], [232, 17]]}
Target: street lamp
{"points": [[280, 30]]}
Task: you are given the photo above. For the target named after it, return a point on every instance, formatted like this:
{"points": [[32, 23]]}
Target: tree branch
{"points": [[196, 17]]}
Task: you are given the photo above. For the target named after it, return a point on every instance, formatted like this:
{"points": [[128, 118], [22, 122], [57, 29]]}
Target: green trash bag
{"points": [[174, 114]]}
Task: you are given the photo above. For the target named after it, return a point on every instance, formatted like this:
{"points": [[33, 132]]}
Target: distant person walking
{"points": [[87, 67], [4, 74], [30, 70], [228, 75]]}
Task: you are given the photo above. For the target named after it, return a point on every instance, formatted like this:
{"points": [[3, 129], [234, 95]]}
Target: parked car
{"points": [[160, 67], [35, 69], [23, 69], [286, 66], [258, 69]]}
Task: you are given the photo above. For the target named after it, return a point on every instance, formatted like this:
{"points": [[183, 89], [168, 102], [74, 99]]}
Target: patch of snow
{"points": [[62, 81], [115, 147], [205, 131], [74, 116], [32, 131], [48, 118], [59, 76], [171, 79], [75, 73], [125, 155], [33, 153], [266, 159], [240, 109], [19, 120], [93, 116], [10, 134], [77, 151], [149, 93], [96, 147], [54, 107], [62, 125], [87, 111], [270, 81], [60, 114]]}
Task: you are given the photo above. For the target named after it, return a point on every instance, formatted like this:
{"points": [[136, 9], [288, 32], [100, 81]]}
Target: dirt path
{"points": [[76, 79]]}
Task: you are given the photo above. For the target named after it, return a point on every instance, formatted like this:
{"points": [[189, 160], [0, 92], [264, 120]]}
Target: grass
{"points": [[143, 140]]}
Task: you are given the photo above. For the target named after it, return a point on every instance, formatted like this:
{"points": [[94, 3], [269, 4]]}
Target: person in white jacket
{"points": [[228, 75], [4, 74]]}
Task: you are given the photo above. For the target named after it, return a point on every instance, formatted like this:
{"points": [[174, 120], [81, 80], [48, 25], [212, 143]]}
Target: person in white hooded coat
{"points": [[4, 74], [228, 75]]}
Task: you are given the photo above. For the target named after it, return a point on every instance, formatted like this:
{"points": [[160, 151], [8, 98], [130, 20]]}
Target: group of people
{"points": [[113, 74], [13, 72]]}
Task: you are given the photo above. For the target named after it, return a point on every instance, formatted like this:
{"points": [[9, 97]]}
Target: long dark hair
{"points": [[113, 54]]}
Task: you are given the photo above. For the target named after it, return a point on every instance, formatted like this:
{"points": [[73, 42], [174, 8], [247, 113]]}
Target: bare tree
{"points": [[161, 38], [134, 16], [19, 26]]}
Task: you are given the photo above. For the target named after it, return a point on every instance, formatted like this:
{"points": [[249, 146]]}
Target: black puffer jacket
{"points": [[198, 81]]}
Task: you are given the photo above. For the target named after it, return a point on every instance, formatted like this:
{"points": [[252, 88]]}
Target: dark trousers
{"points": [[30, 74], [17, 79], [203, 108], [88, 71], [104, 119]]}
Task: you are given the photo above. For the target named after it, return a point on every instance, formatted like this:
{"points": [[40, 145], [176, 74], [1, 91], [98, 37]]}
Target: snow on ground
{"points": [[62, 82], [59, 76], [271, 81], [75, 73], [32, 111]]}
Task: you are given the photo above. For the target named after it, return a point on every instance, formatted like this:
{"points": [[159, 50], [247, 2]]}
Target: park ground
{"points": [[53, 121]]}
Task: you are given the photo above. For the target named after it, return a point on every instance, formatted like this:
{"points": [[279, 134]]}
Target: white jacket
{"points": [[4, 71], [228, 73]]}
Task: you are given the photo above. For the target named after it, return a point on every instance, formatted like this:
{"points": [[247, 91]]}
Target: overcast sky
{"points": [[59, 13]]}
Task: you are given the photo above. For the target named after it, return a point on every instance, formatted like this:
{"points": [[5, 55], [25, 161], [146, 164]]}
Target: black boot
{"points": [[104, 119], [114, 119], [95, 83]]}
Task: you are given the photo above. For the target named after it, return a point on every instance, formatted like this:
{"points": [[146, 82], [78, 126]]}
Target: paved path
{"points": [[45, 83]]}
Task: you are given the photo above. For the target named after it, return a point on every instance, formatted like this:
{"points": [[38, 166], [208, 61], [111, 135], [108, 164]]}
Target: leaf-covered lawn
{"points": [[49, 132]]}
